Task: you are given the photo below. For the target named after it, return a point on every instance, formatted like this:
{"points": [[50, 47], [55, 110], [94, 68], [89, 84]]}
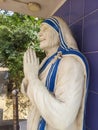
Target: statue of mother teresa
{"points": [[57, 88]]}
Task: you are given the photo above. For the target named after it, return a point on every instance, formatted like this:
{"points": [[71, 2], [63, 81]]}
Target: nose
{"points": [[39, 34]]}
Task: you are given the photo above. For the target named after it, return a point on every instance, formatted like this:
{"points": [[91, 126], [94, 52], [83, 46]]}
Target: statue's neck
{"points": [[51, 51]]}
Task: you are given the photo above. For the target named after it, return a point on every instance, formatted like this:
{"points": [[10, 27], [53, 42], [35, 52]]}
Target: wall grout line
{"points": [[83, 17], [69, 11], [76, 21], [94, 92], [90, 52], [83, 25], [91, 13]]}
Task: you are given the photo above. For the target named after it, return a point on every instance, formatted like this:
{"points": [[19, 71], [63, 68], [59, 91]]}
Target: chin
{"points": [[43, 46]]}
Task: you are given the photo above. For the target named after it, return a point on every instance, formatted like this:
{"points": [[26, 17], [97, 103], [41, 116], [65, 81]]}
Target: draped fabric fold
{"points": [[51, 76]]}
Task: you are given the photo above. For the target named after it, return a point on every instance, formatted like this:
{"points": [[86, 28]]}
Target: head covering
{"points": [[53, 22]]}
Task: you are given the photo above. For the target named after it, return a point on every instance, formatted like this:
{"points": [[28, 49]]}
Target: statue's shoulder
{"points": [[69, 65], [71, 61], [69, 58]]}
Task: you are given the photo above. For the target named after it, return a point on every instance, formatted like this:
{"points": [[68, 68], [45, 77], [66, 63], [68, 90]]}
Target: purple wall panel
{"points": [[63, 12], [90, 6], [76, 10], [82, 16], [77, 33], [93, 63], [92, 111], [90, 34]]}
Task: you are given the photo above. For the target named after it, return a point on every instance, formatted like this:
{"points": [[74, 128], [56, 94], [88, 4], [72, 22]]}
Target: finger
{"points": [[29, 56], [34, 56], [24, 58]]}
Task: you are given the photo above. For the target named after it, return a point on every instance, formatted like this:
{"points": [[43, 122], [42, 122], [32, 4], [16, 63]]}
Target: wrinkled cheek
{"points": [[43, 45]]}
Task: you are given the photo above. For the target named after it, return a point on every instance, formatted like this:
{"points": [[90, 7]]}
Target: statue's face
{"points": [[47, 36]]}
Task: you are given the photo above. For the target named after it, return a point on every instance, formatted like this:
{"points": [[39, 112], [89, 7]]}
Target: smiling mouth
{"points": [[41, 40]]}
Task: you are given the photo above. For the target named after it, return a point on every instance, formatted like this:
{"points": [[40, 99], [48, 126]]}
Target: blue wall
{"points": [[82, 17]]}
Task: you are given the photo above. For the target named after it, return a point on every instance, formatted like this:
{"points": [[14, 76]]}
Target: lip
{"points": [[41, 39]]}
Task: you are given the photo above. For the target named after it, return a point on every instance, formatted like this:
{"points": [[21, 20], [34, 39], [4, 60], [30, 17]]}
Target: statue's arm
{"points": [[60, 110], [30, 68], [24, 86]]}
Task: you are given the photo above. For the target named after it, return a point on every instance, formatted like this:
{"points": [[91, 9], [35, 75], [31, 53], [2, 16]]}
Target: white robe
{"points": [[63, 109]]}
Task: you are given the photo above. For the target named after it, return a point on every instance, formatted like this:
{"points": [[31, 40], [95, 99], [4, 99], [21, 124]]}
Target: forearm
{"points": [[52, 109], [24, 86]]}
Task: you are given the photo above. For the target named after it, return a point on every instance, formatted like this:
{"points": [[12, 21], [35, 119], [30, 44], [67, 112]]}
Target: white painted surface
{"points": [[48, 7]]}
